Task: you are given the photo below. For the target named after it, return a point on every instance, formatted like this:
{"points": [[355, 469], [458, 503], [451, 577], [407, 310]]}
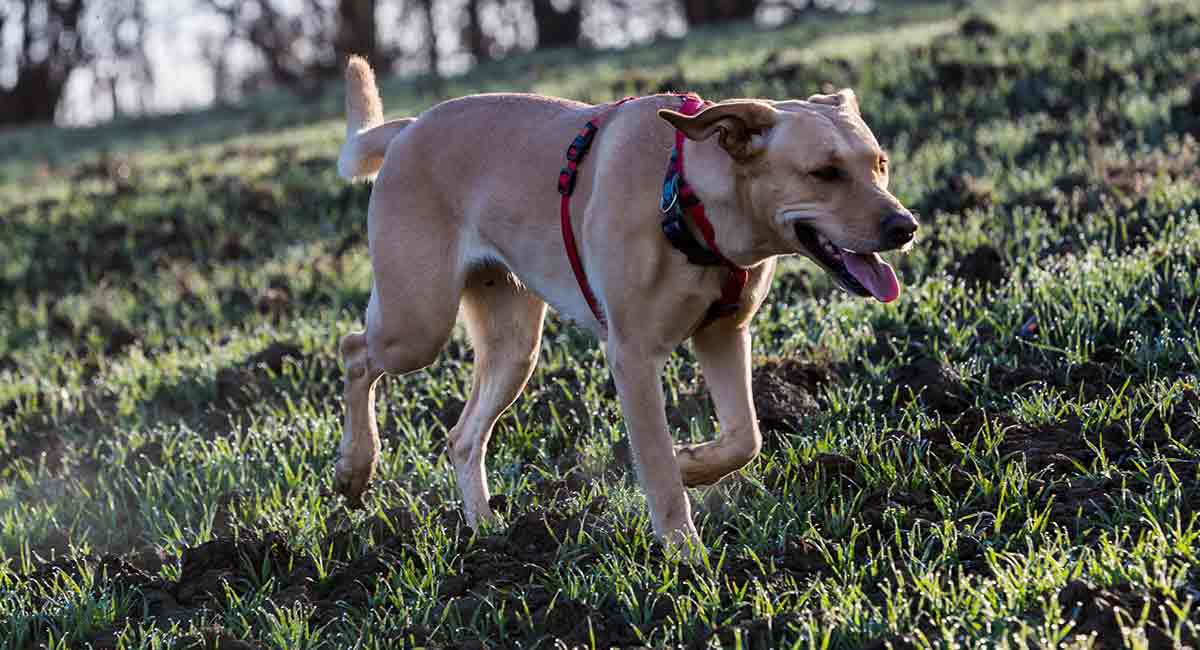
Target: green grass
{"points": [[1006, 456]]}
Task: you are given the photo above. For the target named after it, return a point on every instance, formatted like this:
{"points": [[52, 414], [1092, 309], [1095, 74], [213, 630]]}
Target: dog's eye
{"points": [[829, 173]]}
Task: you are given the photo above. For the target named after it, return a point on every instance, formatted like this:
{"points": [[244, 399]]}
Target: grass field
{"points": [[1006, 456]]}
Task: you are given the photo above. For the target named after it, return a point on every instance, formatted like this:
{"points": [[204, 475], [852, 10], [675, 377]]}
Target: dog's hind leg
{"points": [[411, 313], [504, 321], [399, 344], [723, 350]]}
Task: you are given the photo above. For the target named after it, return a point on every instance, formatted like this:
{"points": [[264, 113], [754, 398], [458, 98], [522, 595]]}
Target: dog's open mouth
{"points": [[863, 274]]}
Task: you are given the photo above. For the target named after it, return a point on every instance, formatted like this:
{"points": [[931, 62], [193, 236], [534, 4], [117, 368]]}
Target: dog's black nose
{"points": [[899, 228]]}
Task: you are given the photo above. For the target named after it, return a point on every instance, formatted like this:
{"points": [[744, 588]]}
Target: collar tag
{"points": [[670, 194]]}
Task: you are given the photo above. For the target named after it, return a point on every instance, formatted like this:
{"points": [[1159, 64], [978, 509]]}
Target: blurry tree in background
{"points": [[301, 44], [42, 42], [705, 12], [246, 45], [559, 23]]}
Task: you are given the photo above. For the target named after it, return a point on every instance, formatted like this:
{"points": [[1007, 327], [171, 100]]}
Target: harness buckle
{"points": [[582, 143], [670, 195]]}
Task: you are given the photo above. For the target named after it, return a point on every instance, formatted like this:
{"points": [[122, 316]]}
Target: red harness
{"points": [[678, 201]]}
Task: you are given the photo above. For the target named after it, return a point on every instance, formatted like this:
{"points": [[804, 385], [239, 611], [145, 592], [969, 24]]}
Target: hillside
{"points": [[1008, 454]]}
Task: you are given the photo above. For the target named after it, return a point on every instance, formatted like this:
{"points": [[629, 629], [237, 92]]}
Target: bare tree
{"points": [[357, 32], [559, 22], [49, 48], [302, 47], [706, 12], [44, 42], [477, 42]]}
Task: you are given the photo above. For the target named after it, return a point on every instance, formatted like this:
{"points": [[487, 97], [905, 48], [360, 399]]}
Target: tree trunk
{"points": [[707, 12], [473, 36], [51, 48], [34, 98], [356, 31], [557, 28]]}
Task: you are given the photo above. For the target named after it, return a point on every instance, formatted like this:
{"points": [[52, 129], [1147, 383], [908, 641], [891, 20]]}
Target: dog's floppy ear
{"points": [[742, 123], [844, 97]]}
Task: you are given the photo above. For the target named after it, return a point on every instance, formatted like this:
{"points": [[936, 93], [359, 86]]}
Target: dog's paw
{"points": [[696, 469], [352, 484], [685, 547]]}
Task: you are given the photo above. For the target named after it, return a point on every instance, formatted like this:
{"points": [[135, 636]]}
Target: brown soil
{"points": [[1100, 612], [243, 382], [956, 194], [983, 266], [937, 386]]}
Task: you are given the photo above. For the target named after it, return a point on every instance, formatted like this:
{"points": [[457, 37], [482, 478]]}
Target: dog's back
{"points": [[495, 121]]}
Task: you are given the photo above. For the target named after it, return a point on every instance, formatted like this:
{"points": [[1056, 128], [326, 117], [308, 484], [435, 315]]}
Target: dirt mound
{"points": [[976, 26], [210, 571], [44, 446], [956, 75], [241, 384], [1102, 611], [785, 391], [956, 194], [983, 266], [764, 632], [938, 386], [1107, 372]]}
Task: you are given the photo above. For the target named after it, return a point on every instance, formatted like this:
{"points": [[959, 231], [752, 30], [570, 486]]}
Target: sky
{"points": [[181, 29]]}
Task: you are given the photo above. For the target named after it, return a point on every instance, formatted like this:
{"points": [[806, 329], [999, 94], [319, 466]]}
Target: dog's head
{"points": [[813, 180]]}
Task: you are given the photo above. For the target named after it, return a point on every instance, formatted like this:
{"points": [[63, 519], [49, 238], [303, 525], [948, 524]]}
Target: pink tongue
{"points": [[874, 274]]}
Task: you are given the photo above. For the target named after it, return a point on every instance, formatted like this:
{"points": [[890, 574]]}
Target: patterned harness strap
{"points": [[679, 202], [566, 187]]}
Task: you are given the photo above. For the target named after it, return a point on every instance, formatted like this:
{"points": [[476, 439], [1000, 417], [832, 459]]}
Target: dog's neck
{"points": [[721, 184]]}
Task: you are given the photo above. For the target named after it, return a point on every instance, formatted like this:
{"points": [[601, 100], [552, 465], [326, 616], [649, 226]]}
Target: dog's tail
{"points": [[367, 135]]}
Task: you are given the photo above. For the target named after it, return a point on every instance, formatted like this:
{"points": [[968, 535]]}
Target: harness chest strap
{"points": [[678, 200]]}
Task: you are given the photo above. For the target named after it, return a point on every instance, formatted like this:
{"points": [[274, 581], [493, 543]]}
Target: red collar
{"points": [[679, 201]]}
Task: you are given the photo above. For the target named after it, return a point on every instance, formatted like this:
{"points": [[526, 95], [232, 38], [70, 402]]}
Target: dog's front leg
{"points": [[723, 350], [637, 373]]}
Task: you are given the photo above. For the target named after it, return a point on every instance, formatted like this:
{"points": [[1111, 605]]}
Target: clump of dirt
{"points": [[494, 572], [117, 336], [763, 632], [43, 446], [1133, 177], [956, 75], [785, 391], [983, 266], [558, 392], [1098, 612], [891, 642], [956, 194], [397, 524], [214, 638], [977, 26], [273, 300], [559, 619], [936, 385], [241, 383], [1106, 372], [210, 571], [1185, 116], [145, 457]]}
